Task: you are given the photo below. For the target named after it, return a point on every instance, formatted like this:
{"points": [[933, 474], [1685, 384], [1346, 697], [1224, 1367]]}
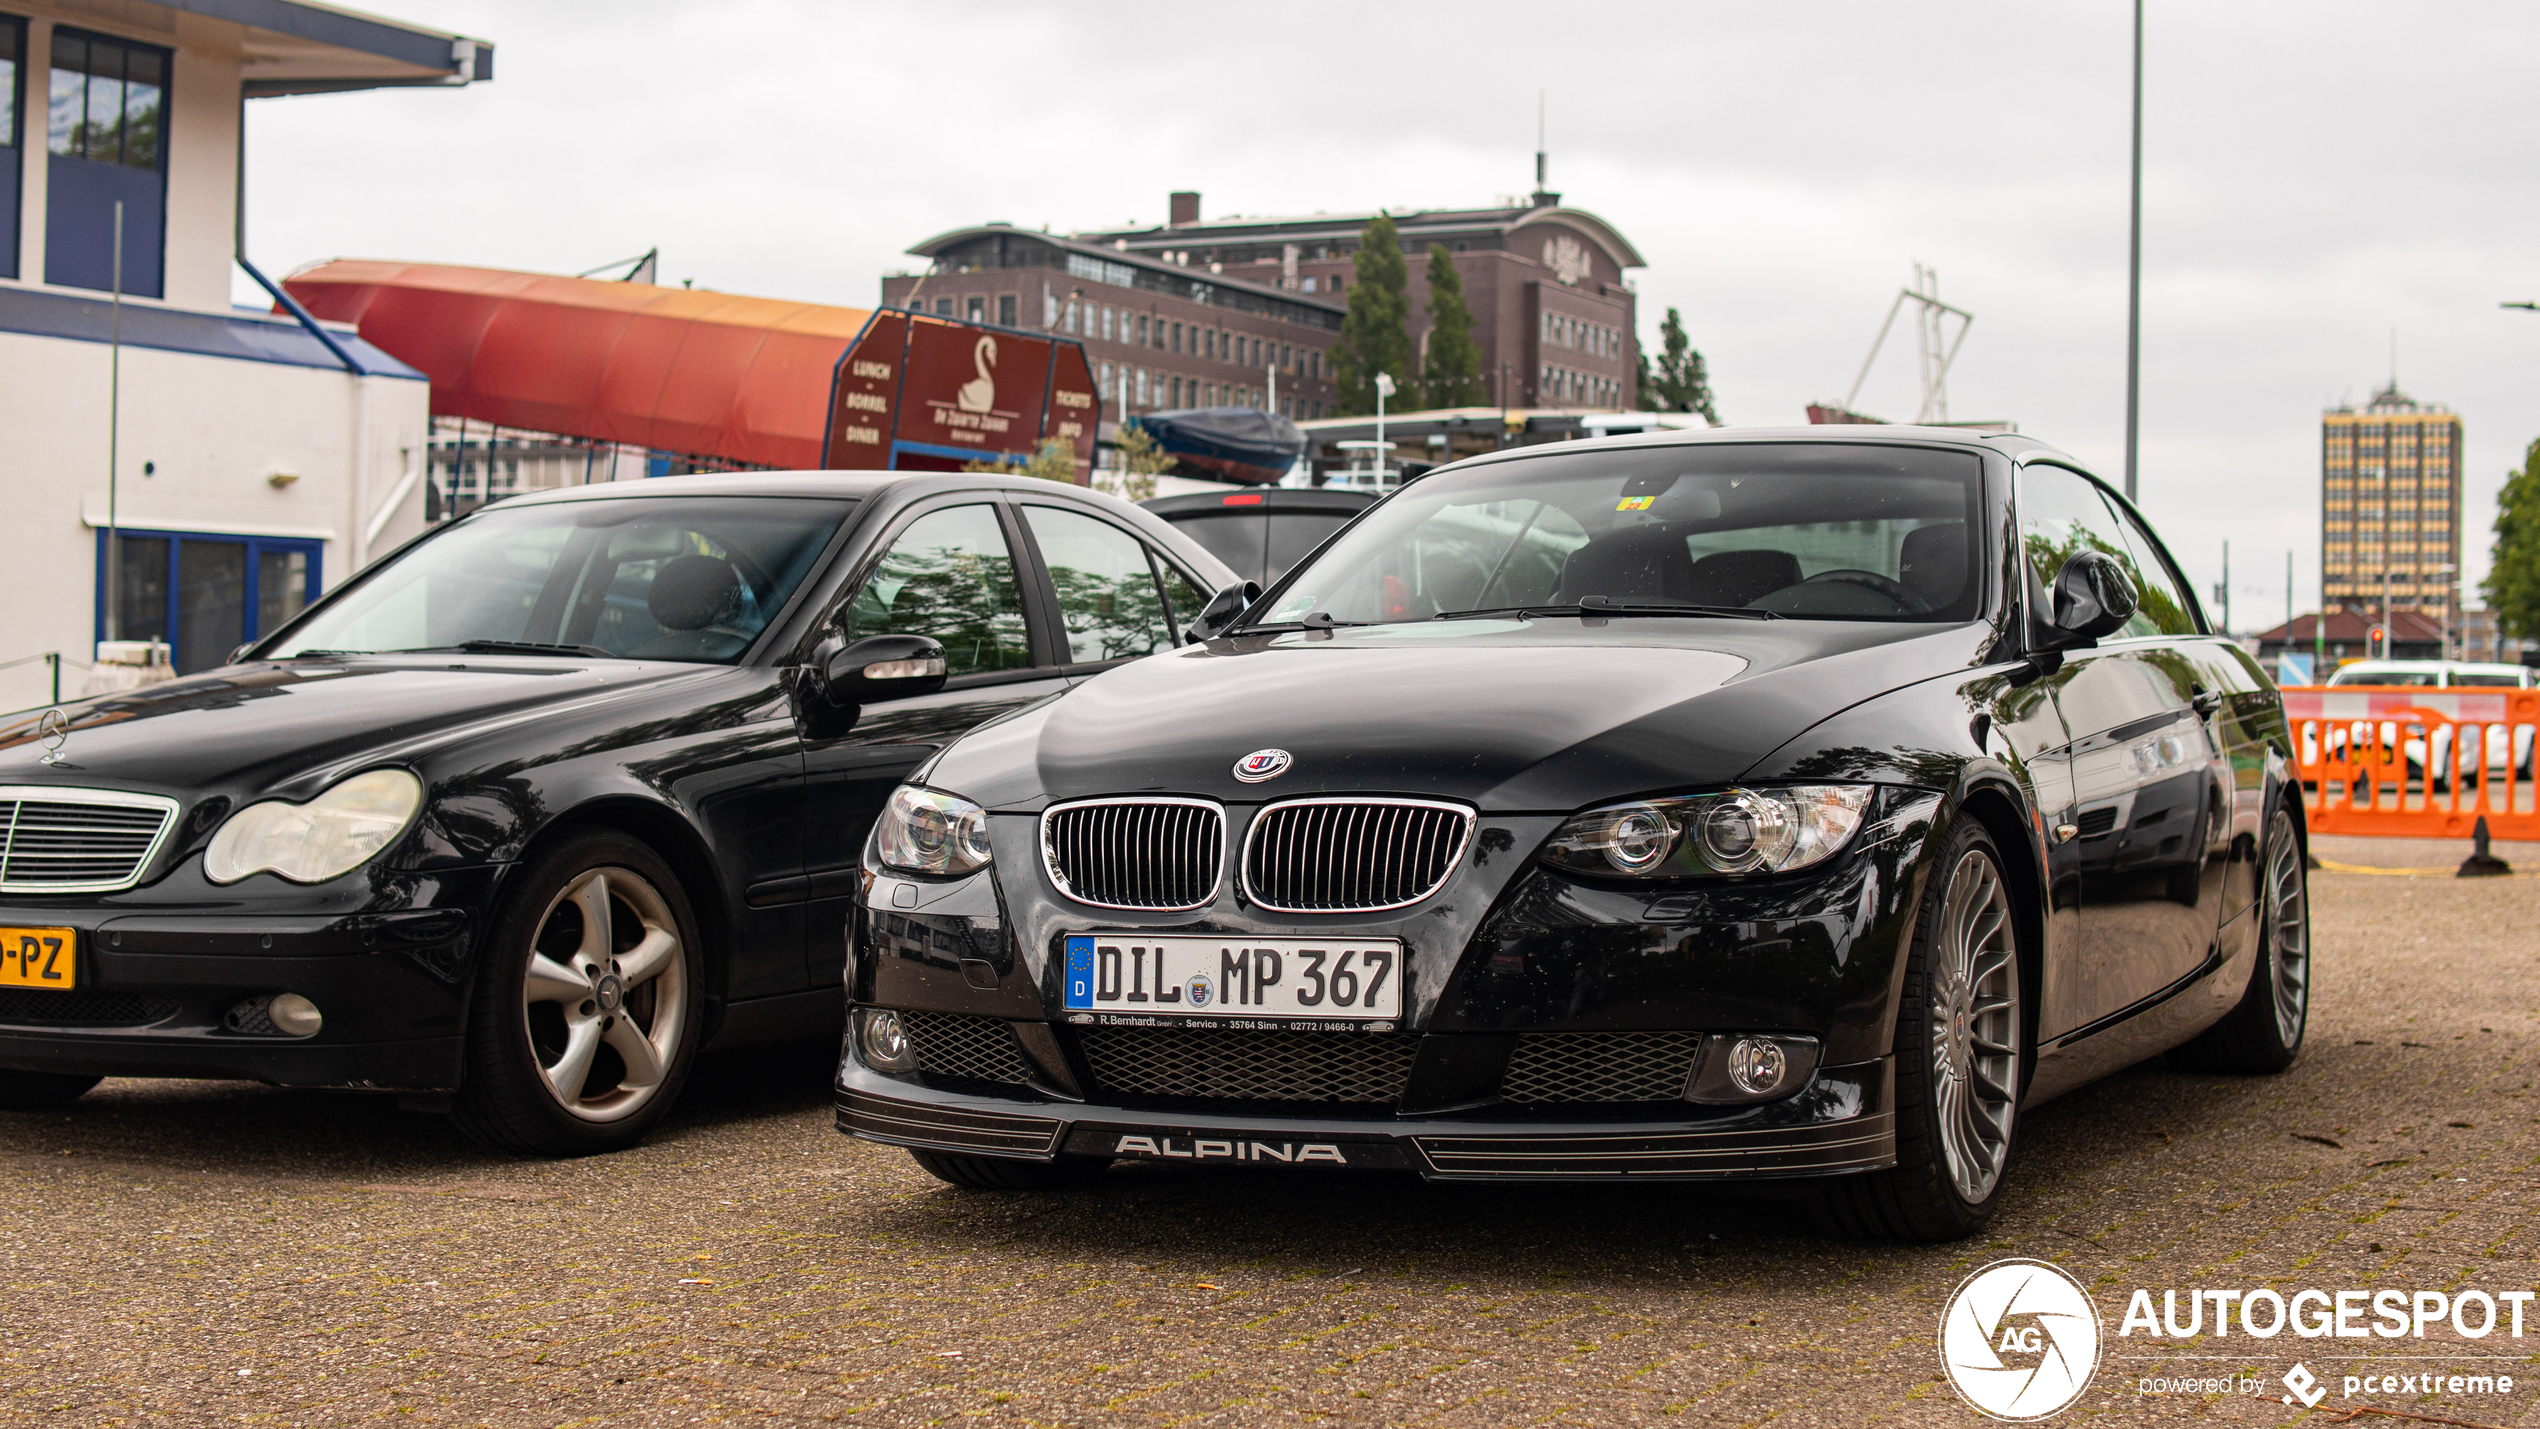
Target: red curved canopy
{"points": [[668, 369]]}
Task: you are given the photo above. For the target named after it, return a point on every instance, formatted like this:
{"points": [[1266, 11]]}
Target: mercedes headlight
{"points": [[922, 831], [1772, 830], [327, 837]]}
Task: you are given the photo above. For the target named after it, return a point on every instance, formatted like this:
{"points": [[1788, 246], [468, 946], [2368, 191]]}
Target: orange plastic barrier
{"points": [[2399, 760]]}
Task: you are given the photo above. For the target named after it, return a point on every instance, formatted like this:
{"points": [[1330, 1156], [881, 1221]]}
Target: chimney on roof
{"points": [[1185, 209]]}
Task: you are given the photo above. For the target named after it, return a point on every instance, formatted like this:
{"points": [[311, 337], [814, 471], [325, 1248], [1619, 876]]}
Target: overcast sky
{"points": [[2315, 177]]}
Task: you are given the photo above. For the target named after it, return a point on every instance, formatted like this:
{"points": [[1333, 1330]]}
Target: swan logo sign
{"points": [[2019, 1340], [979, 394], [933, 394]]}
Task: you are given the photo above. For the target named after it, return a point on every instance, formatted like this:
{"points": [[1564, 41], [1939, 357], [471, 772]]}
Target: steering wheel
{"points": [[1904, 596]]}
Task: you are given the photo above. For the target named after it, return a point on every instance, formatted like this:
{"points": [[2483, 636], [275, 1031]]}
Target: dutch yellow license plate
{"points": [[39, 957]]}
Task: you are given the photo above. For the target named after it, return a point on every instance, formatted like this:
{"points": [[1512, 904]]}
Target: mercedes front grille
{"points": [[78, 840]]}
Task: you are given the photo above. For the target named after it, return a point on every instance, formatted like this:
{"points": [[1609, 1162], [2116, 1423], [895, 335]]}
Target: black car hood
{"points": [[264, 728], [1513, 716]]}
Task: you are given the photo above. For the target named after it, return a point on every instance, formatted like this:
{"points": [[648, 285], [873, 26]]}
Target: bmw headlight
{"points": [[327, 837], [922, 831], [1772, 830]]}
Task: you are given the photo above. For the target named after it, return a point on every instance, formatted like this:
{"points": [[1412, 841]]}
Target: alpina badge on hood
{"points": [[1263, 764]]}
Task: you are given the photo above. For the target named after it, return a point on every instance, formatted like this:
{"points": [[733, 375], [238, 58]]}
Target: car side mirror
{"points": [[2093, 597], [1221, 612], [885, 667]]}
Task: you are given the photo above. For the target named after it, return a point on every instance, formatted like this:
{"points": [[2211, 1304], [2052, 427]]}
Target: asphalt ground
{"points": [[223, 1253]]}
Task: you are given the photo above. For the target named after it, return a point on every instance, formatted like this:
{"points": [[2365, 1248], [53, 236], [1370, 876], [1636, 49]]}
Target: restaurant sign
{"points": [[918, 392]]}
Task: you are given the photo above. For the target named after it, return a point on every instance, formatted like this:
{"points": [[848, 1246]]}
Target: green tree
{"points": [[1681, 381], [1375, 334], [1054, 460], [1453, 377], [2512, 586]]}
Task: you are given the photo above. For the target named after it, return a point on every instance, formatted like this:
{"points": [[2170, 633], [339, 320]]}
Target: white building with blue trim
{"points": [[256, 458]]}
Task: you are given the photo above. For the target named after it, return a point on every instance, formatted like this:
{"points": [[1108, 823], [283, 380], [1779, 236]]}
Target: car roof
{"points": [[1265, 498], [863, 484], [2011, 444]]}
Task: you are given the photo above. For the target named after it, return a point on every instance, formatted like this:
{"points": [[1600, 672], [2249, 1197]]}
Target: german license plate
{"points": [[1228, 981], [39, 957]]}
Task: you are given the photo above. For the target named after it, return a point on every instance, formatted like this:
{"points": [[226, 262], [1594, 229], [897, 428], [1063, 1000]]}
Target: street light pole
{"points": [[2134, 269]]}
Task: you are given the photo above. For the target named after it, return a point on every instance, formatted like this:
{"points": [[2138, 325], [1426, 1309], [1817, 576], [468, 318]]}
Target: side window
{"points": [[2162, 607], [949, 576], [2062, 515], [1107, 596], [1183, 600]]}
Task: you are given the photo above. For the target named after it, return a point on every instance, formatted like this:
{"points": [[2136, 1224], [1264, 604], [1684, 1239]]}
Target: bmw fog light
{"points": [[1738, 1067], [884, 1041], [1757, 1066]]}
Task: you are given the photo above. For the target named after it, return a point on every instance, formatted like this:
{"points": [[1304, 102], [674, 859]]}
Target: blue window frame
{"points": [[12, 142], [206, 595], [106, 131]]}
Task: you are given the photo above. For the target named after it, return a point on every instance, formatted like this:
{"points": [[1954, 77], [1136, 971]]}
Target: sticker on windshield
{"points": [[1635, 503]]}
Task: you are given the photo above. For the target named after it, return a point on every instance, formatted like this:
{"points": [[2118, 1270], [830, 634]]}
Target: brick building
{"points": [[1160, 334], [1553, 310], [1205, 312]]}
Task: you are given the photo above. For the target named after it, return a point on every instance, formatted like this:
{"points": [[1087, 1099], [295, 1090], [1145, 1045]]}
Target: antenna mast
{"points": [[1939, 347]]}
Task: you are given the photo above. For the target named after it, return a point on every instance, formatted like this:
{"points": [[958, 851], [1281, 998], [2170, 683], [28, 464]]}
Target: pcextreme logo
{"points": [[2019, 1340]]}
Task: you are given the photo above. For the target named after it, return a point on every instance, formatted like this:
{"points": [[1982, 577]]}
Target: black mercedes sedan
{"points": [[1737, 804], [526, 814]]}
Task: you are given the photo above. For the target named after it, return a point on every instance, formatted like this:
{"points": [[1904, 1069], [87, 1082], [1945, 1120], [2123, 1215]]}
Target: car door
{"points": [[2231, 700], [2149, 777], [1107, 588], [948, 569]]}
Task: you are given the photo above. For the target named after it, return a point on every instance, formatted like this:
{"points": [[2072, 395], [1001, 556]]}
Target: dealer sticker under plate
{"points": [[1228, 982]]}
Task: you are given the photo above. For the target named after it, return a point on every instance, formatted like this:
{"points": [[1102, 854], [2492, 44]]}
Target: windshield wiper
{"points": [[508, 647], [1601, 605]]}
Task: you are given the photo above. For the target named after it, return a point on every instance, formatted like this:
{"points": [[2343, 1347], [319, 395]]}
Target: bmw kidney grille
{"points": [[1352, 855], [1163, 854]]}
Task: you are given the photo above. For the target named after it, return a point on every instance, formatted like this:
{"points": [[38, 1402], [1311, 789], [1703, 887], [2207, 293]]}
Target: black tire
{"points": [[2263, 1031], [1957, 1080], [42, 1091], [998, 1173], [528, 1086]]}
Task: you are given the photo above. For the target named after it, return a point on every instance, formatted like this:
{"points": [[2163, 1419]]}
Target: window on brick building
{"points": [[1006, 309], [978, 310]]}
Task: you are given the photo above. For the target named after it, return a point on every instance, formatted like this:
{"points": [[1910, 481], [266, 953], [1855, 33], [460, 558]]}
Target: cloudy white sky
{"points": [[2316, 177]]}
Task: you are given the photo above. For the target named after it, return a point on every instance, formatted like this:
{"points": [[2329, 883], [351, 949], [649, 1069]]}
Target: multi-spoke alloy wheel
{"points": [[1975, 1022], [2263, 1032], [587, 1001], [2288, 930], [606, 994], [1960, 1030]]}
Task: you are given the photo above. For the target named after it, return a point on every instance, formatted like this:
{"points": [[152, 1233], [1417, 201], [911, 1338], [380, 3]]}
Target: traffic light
{"points": [[2379, 640]]}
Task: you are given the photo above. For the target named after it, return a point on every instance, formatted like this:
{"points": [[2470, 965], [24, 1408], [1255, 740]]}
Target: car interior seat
{"points": [[1933, 562], [694, 599]]}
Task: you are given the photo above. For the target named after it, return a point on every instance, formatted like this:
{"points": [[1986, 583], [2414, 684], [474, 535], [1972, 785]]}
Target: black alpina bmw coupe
{"points": [[1741, 804]]}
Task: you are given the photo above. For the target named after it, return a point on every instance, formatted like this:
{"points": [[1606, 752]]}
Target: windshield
{"points": [[1826, 532], [691, 578]]}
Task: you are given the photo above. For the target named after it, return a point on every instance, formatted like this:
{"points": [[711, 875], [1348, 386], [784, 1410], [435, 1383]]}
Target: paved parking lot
{"points": [[225, 1253]]}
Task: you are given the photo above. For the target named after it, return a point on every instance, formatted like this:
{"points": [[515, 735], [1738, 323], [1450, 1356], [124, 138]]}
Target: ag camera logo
{"points": [[2019, 1340]]}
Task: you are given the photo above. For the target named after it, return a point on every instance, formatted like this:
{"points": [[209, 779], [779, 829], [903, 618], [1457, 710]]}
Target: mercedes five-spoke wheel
{"points": [[605, 976], [1958, 1060], [586, 1011], [2263, 1032]]}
